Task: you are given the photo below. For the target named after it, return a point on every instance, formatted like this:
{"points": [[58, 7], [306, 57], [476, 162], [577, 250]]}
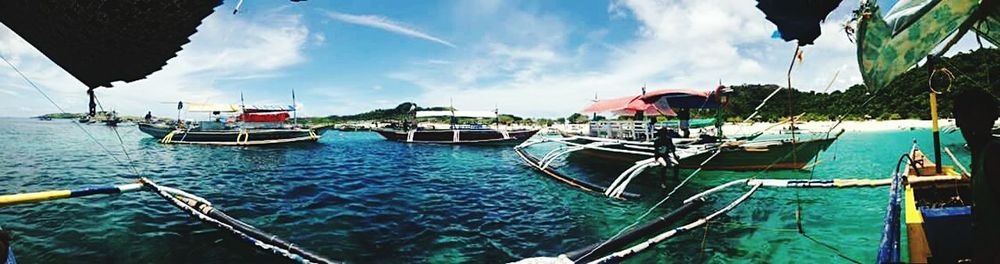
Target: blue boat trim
{"points": [[888, 251], [103, 189]]}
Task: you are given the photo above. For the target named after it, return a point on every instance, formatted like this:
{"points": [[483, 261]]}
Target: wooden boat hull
{"points": [[169, 135], [765, 155], [472, 136], [938, 224]]}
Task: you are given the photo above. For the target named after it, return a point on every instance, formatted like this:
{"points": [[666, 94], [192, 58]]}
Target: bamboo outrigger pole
{"points": [[20, 198]]}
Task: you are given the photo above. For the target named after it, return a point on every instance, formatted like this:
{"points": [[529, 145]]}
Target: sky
{"points": [[527, 58]]}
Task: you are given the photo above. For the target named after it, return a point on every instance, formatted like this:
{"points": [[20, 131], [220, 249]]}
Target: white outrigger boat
{"points": [[628, 144]]}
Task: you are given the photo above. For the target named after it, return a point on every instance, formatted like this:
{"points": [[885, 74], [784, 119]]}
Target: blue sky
{"points": [[529, 58]]}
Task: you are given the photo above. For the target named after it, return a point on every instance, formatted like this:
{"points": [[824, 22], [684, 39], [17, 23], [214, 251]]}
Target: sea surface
{"points": [[358, 198]]}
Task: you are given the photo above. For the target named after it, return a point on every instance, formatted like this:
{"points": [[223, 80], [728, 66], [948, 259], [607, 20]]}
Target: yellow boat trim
{"points": [[168, 138], [33, 197]]}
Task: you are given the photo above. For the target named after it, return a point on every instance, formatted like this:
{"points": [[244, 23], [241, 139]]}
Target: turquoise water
{"points": [[358, 198]]}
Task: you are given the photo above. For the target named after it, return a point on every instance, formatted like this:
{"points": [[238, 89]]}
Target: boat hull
{"points": [[167, 134], [938, 224], [477, 136], [767, 155]]}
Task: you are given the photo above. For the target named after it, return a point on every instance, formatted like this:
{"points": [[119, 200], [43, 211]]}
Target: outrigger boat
{"points": [[251, 126], [930, 200], [456, 133], [628, 144], [130, 40]]}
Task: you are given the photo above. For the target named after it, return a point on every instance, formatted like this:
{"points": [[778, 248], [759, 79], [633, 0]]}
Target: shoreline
{"points": [[849, 126]]}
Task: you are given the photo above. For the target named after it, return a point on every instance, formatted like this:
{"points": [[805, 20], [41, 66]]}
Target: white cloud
{"points": [[384, 23], [226, 48], [319, 39], [539, 71]]}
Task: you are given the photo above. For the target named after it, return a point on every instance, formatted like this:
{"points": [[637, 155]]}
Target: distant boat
{"points": [[112, 119], [456, 134], [252, 126]]}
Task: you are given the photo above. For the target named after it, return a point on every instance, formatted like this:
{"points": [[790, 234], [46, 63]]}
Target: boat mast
{"points": [[180, 105], [295, 109], [243, 111]]}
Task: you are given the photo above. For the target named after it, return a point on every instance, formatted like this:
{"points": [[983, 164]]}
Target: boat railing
{"points": [[621, 129]]}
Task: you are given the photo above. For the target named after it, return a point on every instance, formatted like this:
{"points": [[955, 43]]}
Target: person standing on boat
{"points": [[684, 117], [664, 154], [975, 111], [149, 116]]}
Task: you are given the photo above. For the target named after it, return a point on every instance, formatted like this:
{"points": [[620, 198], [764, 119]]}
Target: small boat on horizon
{"points": [[478, 134]]}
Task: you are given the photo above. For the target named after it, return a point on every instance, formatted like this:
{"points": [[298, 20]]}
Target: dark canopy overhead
{"points": [[797, 19], [104, 41]]}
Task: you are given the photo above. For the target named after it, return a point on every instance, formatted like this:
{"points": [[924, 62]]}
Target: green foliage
{"points": [[906, 97], [64, 115], [577, 118], [397, 113]]}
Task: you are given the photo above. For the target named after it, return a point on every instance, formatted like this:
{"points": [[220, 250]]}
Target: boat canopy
{"points": [[100, 42], [658, 102], [480, 114], [627, 106], [210, 107], [889, 46], [797, 19], [267, 108]]}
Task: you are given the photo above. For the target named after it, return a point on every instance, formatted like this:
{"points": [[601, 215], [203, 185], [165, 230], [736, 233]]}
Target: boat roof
{"points": [[212, 107], [482, 114], [658, 102], [267, 108], [232, 108], [100, 42]]}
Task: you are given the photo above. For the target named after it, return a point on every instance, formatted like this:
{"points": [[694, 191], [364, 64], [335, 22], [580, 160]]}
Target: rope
{"points": [[121, 142], [85, 131]]}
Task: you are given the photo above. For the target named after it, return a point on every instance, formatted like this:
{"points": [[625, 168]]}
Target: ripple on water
{"points": [[358, 198]]}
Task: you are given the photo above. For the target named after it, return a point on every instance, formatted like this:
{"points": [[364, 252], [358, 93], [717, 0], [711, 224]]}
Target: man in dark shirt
{"points": [[664, 153], [975, 111], [684, 120]]}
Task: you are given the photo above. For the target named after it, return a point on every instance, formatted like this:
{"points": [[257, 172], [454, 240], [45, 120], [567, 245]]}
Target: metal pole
{"points": [[295, 110]]}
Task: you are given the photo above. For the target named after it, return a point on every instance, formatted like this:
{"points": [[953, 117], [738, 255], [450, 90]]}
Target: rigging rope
{"points": [[121, 142], [85, 131]]}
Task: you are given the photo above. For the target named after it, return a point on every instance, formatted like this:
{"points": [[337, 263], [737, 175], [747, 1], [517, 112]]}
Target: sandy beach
{"points": [[849, 126]]}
